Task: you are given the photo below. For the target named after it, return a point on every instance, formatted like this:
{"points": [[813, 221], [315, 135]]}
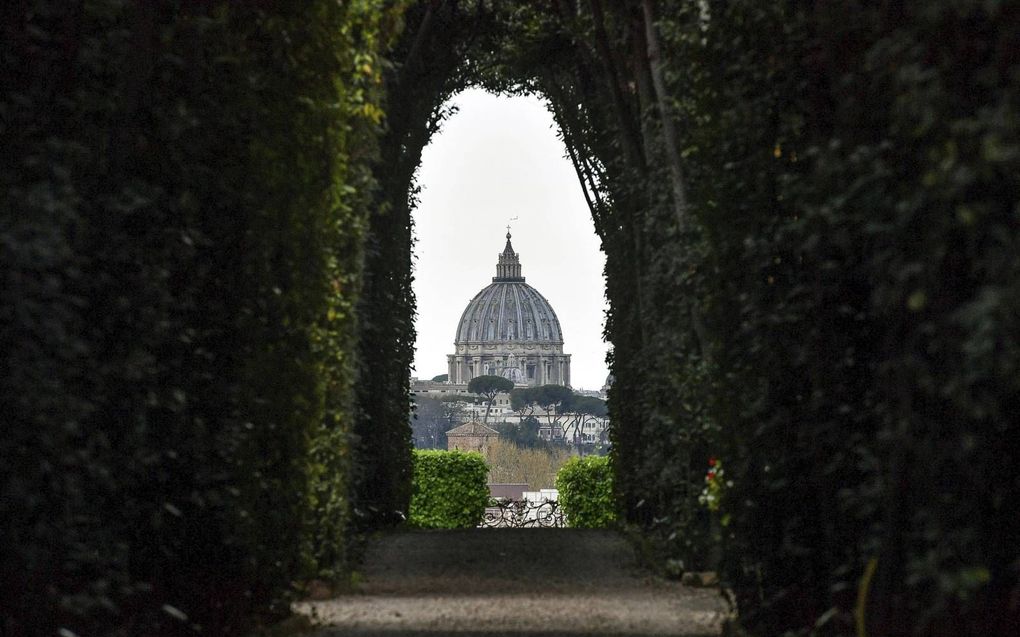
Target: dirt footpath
{"points": [[502, 582]]}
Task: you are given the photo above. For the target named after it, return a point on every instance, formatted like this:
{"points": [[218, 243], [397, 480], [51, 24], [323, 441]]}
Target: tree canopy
{"points": [[545, 396], [523, 433], [431, 418], [488, 387], [589, 405]]}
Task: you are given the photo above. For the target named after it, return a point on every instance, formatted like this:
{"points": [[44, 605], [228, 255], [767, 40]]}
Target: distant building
{"points": [[510, 330], [604, 392], [472, 436], [564, 428]]}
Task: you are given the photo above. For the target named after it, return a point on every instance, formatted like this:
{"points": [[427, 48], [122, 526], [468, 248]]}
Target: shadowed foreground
{"points": [[513, 582]]}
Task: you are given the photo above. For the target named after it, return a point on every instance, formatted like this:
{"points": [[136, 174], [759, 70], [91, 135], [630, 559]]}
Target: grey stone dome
{"points": [[509, 330], [509, 309]]}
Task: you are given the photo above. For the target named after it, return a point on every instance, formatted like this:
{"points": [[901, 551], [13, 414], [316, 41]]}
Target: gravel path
{"points": [[502, 582]]}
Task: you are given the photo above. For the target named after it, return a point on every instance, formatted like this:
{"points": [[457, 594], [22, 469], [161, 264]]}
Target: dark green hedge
{"points": [[180, 250], [450, 489], [431, 60], [809, 215], [585, 488]]}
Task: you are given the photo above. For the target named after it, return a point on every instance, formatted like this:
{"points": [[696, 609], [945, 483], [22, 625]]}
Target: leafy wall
{"points": [[808, 213], [809, 218], [181, 240], [429, 63]]}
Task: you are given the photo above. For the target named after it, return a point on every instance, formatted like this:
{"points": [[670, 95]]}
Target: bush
{"points": [[586, 492], [450, 490]]}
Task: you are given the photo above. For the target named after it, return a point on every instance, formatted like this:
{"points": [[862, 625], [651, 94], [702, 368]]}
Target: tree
{"points": [[552, 397], [589, 405], [487, 387], [524, 433], [442, 378], [431, 419], [555, 400], [584, 409], [523, 401], [537, 466]]}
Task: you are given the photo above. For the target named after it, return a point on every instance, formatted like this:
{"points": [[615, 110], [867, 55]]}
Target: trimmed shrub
{"points": [[586, 492], [450, 490]]}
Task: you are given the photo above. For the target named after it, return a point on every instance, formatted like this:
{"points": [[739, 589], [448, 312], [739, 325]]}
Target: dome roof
{"points": [[509, 309]]}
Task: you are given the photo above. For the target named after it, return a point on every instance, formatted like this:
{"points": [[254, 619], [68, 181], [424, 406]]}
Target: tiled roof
{"points": [[472, 429]]}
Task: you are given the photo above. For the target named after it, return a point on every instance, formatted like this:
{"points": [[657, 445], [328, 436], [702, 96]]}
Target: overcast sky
{"points": [[499, 158]]}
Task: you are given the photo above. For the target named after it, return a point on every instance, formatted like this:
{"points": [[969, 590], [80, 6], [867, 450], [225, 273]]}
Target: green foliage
{"points": [[181, 223], [588, 405], [523, 433], [489, 386], [442, 378], [424, 71], [521, 398], [808, 217], [808, 214], [545, 396], [450, 489], [834, 187], [431, 419], [585, 488]]}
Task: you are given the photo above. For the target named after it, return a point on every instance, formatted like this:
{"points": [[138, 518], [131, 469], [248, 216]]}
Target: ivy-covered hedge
{"points": [[809, 215], [424, 72], [809, 218], [449, 490], [180, 253], [585, 488]]}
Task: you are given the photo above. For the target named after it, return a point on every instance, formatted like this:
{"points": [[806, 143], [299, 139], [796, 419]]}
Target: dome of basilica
{"points": [[508, 311], [510, 329]]}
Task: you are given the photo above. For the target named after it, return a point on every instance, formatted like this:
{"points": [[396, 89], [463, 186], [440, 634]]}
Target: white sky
{"points": [[498, 158]]}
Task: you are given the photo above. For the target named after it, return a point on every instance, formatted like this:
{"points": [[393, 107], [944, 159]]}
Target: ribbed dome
{"points": [[509, 309]]}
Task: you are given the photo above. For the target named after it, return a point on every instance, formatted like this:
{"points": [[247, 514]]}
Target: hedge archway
{"points": [[800, 281], [809, 217]]}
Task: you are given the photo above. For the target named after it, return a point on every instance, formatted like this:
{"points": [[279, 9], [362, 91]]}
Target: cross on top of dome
{"points": [[508, 268]]}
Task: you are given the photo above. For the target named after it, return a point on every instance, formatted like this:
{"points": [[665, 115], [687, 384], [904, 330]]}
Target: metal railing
{"points": [[504, 513]]}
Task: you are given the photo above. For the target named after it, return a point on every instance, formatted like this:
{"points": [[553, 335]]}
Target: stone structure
{"points": [[509, 330], [472, 436]]}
